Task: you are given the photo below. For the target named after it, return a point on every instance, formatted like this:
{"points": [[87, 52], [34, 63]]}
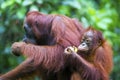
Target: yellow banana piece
{"points": [[75, 49]]}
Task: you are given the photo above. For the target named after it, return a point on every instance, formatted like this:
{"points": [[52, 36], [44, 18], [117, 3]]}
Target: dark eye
{"points": [[83, 39], [87, 41]]}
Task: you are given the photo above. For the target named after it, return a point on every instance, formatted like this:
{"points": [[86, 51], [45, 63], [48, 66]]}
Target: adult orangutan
{"points": [[46, 38], [51, 34], [93, 57]]}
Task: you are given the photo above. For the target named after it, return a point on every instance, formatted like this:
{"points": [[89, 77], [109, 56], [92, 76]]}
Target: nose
{"points": [[83, 44]]}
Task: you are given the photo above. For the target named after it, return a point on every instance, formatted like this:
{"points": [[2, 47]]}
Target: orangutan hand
{"points": [[17, 48]]}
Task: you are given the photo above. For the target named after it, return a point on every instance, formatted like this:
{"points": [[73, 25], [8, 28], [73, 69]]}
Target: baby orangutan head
{"points": [[91, 40]]}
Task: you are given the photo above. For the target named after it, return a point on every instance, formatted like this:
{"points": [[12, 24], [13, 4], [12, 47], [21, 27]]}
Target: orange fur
{"points": [[48, 60], [93, 65]]}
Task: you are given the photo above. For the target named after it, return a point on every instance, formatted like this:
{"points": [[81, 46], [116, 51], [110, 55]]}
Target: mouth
{"points": [[83, 47]]}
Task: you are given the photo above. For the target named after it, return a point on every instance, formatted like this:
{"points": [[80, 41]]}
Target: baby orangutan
{"points": [[91, 40], [88, 60]]}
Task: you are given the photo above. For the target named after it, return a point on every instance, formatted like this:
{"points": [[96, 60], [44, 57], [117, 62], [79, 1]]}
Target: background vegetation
{"points": [[104, 15]]}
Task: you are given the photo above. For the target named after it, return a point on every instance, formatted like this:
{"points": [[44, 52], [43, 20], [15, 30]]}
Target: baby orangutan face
{"points": [[90, 41], [87, 41]]}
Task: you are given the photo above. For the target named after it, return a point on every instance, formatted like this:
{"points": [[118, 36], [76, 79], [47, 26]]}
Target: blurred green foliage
{"points": [[103, 15]]}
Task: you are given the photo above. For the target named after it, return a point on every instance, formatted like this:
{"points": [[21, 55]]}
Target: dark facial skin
{"points": [[44, 39], [29, 36], [89, 42], [86, 42]]}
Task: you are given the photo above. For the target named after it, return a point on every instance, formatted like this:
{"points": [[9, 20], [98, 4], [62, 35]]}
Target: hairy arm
{"points": [[88, 70], [38, 57], [43, 55], [27, 67]]}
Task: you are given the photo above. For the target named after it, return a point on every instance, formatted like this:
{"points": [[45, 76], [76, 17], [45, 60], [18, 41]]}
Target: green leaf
{"points": [[7, 50], [39, 1], [33, 7], [91, 11], [64, 10], [107, 20], [102, 25], [27, 2], [110, 34], [19, 1], [72, 3], [2, 29], [7, 3], [21, 13]]}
